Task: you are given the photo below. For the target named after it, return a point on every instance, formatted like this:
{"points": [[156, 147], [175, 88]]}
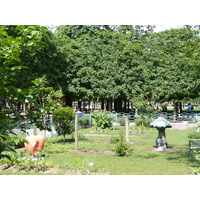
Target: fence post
{"points": [[35, 130], [76, 132], [51, 125], [127, 128], [90, 120]]}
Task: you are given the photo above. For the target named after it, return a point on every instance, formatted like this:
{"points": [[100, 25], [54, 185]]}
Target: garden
{"points": [[103, 150], [121, 77]]}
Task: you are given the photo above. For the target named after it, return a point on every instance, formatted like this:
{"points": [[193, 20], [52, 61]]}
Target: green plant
{"points": [[22, 162], [194, 135], [84, 121], [147, 121], [102, 120], [143, 121], [63, 119], [114, 139], [122, 148]]}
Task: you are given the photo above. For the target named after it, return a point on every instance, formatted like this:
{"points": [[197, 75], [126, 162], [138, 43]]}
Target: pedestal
{"points": [[160, 141]]}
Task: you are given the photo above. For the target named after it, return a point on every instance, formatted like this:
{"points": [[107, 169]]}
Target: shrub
{"points": [[102, 120], [194, 135], [114, 139], [143, 121], [139, 121], [84, 121], [122, 148], [21, 162], [63, 120], [147, 122]]}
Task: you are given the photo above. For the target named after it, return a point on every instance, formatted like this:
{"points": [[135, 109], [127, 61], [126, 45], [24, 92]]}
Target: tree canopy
{"points": [[111, 63]]}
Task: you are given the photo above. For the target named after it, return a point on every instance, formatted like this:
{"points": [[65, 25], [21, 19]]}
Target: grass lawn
{"points": [[140, 162]]}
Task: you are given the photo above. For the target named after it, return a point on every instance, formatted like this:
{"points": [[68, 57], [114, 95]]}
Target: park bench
{"points": [[194, 145]]}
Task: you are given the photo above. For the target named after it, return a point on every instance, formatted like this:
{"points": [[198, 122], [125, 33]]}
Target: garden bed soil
{"points": [[83, 151], [106, 142], [104, 135]]}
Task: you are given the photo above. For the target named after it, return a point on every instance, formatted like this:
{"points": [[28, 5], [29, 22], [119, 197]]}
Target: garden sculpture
{"points": [[161, 124], [35, 144]]}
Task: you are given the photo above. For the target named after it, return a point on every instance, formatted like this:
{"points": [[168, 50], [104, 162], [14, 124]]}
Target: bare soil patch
{"points": [[83, 151], [106, 142], [105, 135]]}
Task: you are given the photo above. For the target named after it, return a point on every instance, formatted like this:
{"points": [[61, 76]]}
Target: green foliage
{"points": [[44, 100], [22, 162], [122, 148], [114, 139], [194, 135], [143, 121], [102, 120], [14, 41], [84, 121], [63, 120]]}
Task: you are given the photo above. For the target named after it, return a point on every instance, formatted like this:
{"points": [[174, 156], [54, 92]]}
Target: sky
{"points": [[165, 27]]}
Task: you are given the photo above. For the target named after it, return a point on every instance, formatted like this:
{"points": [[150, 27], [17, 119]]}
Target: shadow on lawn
{"points": [[178, 157], [147, 156]]}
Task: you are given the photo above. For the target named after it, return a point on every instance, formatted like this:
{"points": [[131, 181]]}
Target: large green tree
{"points": [[171, 66], [12, 45]]}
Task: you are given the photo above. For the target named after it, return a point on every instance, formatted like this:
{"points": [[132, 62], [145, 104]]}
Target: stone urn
{"points": [[161, 124]]}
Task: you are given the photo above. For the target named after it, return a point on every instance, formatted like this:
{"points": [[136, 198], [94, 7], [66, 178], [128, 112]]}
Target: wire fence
{"points": [[118, 119]]}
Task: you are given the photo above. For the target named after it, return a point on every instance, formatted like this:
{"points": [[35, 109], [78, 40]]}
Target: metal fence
{"points": [[118, 119]]}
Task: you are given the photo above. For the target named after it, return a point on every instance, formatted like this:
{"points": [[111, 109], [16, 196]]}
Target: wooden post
{"points": [[35, 130], [24, 108], [127, 126], [76, 132]]}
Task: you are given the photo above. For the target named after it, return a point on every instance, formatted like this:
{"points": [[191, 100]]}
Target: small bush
{"points": [[114, 140], [84, 121], [63, 119], [122, 148], [139, 121], [143, 121], [102, 120], [194, 135]]}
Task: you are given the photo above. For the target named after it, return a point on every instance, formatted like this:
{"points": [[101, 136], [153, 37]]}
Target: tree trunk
{"points": [[110, 104], [175, 109], [79, 104], [128, 106], [94, 102], [125, 105], [102, 103], [119, 102], [180, 107], [68, 100], [115, 106]]}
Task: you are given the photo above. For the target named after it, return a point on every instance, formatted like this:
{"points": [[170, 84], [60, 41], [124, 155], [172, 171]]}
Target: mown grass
{"points": [[140, 162]]}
